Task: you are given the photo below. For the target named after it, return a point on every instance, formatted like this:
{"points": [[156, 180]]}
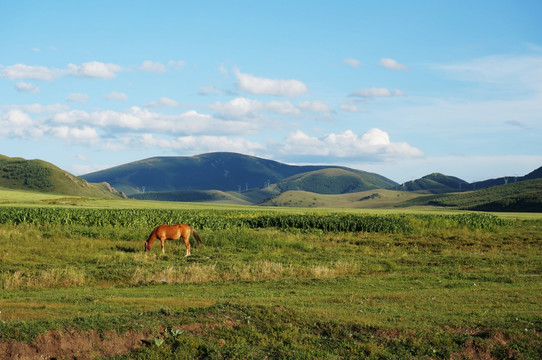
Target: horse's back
{"points": [[172, 232]]}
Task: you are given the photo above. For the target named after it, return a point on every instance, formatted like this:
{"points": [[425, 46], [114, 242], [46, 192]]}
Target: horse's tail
{"points": [[150, 240], [198, 239]]}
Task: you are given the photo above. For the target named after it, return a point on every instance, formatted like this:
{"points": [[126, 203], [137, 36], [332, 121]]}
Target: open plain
{"points": [[266, 283]]}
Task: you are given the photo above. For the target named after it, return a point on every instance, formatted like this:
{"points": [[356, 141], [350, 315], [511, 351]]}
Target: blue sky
{"points": [[400, 88]]}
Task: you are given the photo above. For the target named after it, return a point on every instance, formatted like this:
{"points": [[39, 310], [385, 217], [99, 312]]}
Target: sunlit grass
{"points": [[291, 291]]}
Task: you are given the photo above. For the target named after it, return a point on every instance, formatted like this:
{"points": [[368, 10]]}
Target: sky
{"points": [[398, 88]]}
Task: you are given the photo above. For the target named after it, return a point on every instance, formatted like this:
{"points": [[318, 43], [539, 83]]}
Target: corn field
{"points": [[247, 219]]}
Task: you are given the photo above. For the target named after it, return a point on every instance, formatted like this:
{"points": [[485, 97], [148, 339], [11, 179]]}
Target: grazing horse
{"points": [[172, 232]]}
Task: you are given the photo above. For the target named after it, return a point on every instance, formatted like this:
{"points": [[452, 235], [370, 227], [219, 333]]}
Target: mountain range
{"points": [[226, 171], [242, 179]]}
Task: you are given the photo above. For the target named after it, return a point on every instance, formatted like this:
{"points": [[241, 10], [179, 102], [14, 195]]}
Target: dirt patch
{"points": [[88, 345], [481, 348], [81, 345]]}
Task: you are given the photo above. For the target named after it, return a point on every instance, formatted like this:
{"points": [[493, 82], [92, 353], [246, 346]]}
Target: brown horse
{"points": [[172, 232]]}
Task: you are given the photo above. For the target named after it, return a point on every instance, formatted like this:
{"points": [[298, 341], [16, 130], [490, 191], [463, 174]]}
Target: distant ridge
{"points": [[335, 181], [41, 176], [536, 174], [520, 196], [436, 183], [224, 171]]}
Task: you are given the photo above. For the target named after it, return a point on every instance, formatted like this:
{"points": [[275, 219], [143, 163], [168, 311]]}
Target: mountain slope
{"points": [[436, 183], [536, 174], [334, 181], [521, 196], [41, 176], [370, 199], [213, 171]]}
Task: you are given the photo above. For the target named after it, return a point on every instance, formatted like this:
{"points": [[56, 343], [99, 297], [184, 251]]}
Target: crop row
{"points": [[227, 219]]}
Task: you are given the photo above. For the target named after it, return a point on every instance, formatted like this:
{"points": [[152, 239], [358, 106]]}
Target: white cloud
{"points": [[95, 69], [300, 143], [200, 144], [27, 87], [262, 86], [116, 130], [22, 71], [154, 67], [243, 107], [392, 64], [352, 62], [116, 96], [377, 92], [352, 108], [176, 64], [277, 107], [17, 123], [37, 108], [162, 102], [85, 134], [18, 118], [315, 107], [77, 98], [375, 144], [141, 120], [211, 89], [134, 119]]}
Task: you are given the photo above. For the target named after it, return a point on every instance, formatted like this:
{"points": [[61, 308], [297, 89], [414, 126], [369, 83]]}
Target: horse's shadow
{"points": [[125, 249]]}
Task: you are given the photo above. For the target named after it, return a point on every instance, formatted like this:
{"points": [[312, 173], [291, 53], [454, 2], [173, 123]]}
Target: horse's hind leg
{"points": [[186, 239]]}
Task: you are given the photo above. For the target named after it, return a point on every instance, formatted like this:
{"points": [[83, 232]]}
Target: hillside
{"points": [[334, 181], [370, 199], [536, 174], [214, 171], [435, 183], [521, 196], [41, 176]]}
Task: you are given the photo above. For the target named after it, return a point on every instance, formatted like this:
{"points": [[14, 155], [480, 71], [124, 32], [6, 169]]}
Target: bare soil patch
{"points": [[81, 345]]}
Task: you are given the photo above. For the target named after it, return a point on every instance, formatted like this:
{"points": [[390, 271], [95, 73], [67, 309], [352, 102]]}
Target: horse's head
{"points": [[146, 246]]}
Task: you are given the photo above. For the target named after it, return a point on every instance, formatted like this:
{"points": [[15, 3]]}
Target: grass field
{"points": [[440, 288]]}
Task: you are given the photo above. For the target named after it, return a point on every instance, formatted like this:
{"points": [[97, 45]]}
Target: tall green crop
{"points": [[228, 219]]}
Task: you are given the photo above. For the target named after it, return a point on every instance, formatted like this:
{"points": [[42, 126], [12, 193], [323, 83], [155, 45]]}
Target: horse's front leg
{"points": [[162, 243]]}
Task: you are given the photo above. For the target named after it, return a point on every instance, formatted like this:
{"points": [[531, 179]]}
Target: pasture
{"points": [[267, 283]]}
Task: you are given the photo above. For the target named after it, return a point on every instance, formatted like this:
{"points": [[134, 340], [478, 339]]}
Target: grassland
{"points": [[443, 287]]}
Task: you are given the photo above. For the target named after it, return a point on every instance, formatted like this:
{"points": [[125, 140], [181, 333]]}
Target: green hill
{"points": [[246, 197], [334, 181], [41, 176], [435, 183], [215, 196], [229, 172], [370, 199], [521, 196]]}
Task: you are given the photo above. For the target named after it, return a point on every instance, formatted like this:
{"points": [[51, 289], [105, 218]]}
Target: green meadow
{"points": [[267, 283]]}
